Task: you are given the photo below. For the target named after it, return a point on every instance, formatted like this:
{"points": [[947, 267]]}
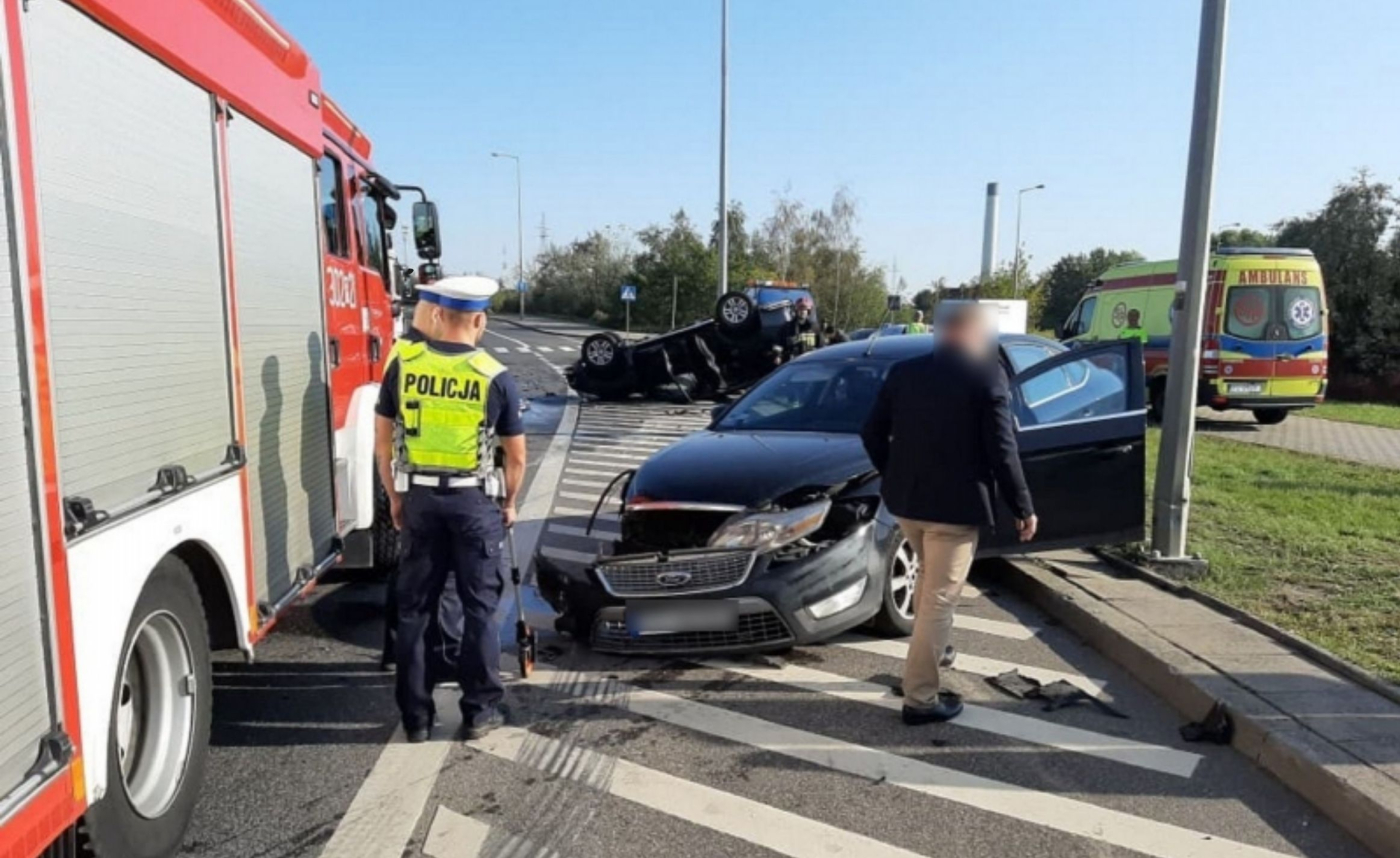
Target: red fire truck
{"points": [[195, 307]]}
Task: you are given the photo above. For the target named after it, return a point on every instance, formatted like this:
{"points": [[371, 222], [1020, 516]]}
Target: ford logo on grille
{"points": [[673, 579]]}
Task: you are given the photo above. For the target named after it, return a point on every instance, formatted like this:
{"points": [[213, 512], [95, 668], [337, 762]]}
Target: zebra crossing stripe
{"points": [[999, 628], [1048, 810], [603, 514], [763, 825], [1157, 758], [974, 664], [568, 555], [453, 835], [598, 533]]}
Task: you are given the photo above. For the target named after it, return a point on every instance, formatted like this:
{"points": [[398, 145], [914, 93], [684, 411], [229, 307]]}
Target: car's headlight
{"points": [[764, 531]]}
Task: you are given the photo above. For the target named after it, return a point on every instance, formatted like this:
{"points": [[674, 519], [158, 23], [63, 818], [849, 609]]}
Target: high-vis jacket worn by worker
{"points": [[442, 411]]}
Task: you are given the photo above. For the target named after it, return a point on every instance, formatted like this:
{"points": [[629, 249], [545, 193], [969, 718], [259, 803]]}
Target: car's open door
{"points": [[1081, 426]]}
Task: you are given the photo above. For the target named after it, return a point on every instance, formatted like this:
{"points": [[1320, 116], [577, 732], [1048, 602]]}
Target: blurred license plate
{"points": [[1244, 387], [681, 615]]}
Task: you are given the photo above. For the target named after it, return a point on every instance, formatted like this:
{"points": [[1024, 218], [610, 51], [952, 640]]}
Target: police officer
{"points": [[1133, 330], [445, 619], [443, 407], [917, 326]]}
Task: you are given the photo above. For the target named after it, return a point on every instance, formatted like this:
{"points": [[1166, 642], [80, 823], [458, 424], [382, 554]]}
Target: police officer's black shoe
{"points": [[948, 707], [419, 735], [483, 725]]}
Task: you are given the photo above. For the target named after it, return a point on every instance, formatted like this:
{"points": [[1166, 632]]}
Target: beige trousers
{"points": [[945, 556]]}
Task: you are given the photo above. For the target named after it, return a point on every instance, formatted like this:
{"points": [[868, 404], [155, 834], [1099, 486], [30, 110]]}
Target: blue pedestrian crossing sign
{"points": [[629, 293], [520, 285]]}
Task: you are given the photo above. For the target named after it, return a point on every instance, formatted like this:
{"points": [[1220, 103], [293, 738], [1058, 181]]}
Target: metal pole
{"points": [[627, 310], [519, 240], [989, 236], [675, 293], [724, 147], [1171, 498], [1016, 265], [1016, 260]]}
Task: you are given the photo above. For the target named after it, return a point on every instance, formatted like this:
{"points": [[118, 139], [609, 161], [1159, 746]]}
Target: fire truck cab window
{"points": [[373, 239], [333, 207]]}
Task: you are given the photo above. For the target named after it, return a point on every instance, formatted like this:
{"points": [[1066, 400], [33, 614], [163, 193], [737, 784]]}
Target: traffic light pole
{"points": [[1172, 493]]}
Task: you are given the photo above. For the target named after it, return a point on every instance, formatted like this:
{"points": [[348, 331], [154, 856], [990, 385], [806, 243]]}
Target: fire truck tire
{"points": [[383, 533], [159, 735]]}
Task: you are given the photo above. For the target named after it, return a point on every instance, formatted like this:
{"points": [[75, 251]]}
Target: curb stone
{"points": [[1358, 798]]}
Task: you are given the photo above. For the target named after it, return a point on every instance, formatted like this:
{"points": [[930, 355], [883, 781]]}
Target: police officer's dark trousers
{"points": [[457, 531]]}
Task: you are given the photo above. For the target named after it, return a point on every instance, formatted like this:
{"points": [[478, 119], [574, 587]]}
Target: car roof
{"points": [[899, 347]]}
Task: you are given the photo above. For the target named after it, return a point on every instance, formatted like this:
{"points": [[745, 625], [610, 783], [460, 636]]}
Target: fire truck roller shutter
{"points": [[124, 156], [277, 266], [27, 712]]}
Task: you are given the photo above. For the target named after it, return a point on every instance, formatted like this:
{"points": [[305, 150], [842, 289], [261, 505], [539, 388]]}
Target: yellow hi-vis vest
{"points": [[442, 411]]}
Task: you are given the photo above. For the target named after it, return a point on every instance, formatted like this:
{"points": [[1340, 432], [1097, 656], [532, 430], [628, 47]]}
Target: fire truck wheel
{"points": [[385, 537], [160, 723]]}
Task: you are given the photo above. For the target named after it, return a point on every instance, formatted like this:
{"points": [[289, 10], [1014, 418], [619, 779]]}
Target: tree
{"points": [[1361, 274], [1243, 237], [673, 255], [1065, 282]]}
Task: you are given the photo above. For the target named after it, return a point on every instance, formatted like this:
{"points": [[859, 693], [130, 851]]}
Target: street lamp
{"points": [[519, 231], [723, 147], [1016, 266], [1220, 229]]}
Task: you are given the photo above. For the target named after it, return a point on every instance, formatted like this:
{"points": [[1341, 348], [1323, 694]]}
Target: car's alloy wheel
{"points": [[155, 718], [735, 310], [903, 579], [601, 352]]}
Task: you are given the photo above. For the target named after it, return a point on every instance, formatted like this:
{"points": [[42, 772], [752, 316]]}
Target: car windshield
{"points": [[810, 396]]}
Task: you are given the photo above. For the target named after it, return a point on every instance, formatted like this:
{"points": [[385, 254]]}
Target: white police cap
{"points": [[467, 293]]}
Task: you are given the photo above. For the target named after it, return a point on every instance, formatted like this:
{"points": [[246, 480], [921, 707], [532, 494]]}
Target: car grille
{"points": [[761, 628], [670, 529], [699, 572]]}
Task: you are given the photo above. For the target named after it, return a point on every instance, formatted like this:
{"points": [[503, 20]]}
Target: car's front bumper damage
{"points": [[774, 594]]}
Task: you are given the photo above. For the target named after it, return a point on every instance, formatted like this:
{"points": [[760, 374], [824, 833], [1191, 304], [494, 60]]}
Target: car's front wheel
{"points": [[896, 616]]}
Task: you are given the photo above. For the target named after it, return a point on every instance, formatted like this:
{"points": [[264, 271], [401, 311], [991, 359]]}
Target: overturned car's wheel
{"points": [[736, 313], [896, 616], [159, 724], [603, 354]]}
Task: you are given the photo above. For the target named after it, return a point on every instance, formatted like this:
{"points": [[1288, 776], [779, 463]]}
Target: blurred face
{"points": [[969, 333], [803, 313]]}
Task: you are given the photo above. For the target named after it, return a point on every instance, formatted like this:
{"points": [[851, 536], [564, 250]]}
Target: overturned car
{"points": [[766, 530], [745, 339]]}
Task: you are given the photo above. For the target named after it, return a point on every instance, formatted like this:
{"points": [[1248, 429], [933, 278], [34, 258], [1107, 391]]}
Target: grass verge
{"points": [[1309, 544], [1368, 413]]}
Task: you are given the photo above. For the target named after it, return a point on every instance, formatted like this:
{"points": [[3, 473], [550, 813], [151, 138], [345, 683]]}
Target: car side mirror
{"points": [[425, 230]]}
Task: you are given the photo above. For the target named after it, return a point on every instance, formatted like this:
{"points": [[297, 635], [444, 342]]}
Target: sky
{"points": [[913, 105]]}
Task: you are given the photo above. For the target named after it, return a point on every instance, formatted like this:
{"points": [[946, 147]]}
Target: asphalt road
{"points": [[798, 754]]}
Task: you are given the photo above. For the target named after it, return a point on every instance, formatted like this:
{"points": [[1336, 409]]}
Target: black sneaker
{"points": [[483, 726], [948, 707], [418, 735]]}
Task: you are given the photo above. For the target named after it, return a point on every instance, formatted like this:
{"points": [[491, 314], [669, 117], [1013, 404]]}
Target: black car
{"points": [[743, 342], [766, 529]]}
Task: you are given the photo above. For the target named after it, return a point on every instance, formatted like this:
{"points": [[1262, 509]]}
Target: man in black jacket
{"points": [[940, 434]]}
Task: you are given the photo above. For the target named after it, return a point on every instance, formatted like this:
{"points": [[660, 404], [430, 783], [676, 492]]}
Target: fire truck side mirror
{"points": [[425, 230]]}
